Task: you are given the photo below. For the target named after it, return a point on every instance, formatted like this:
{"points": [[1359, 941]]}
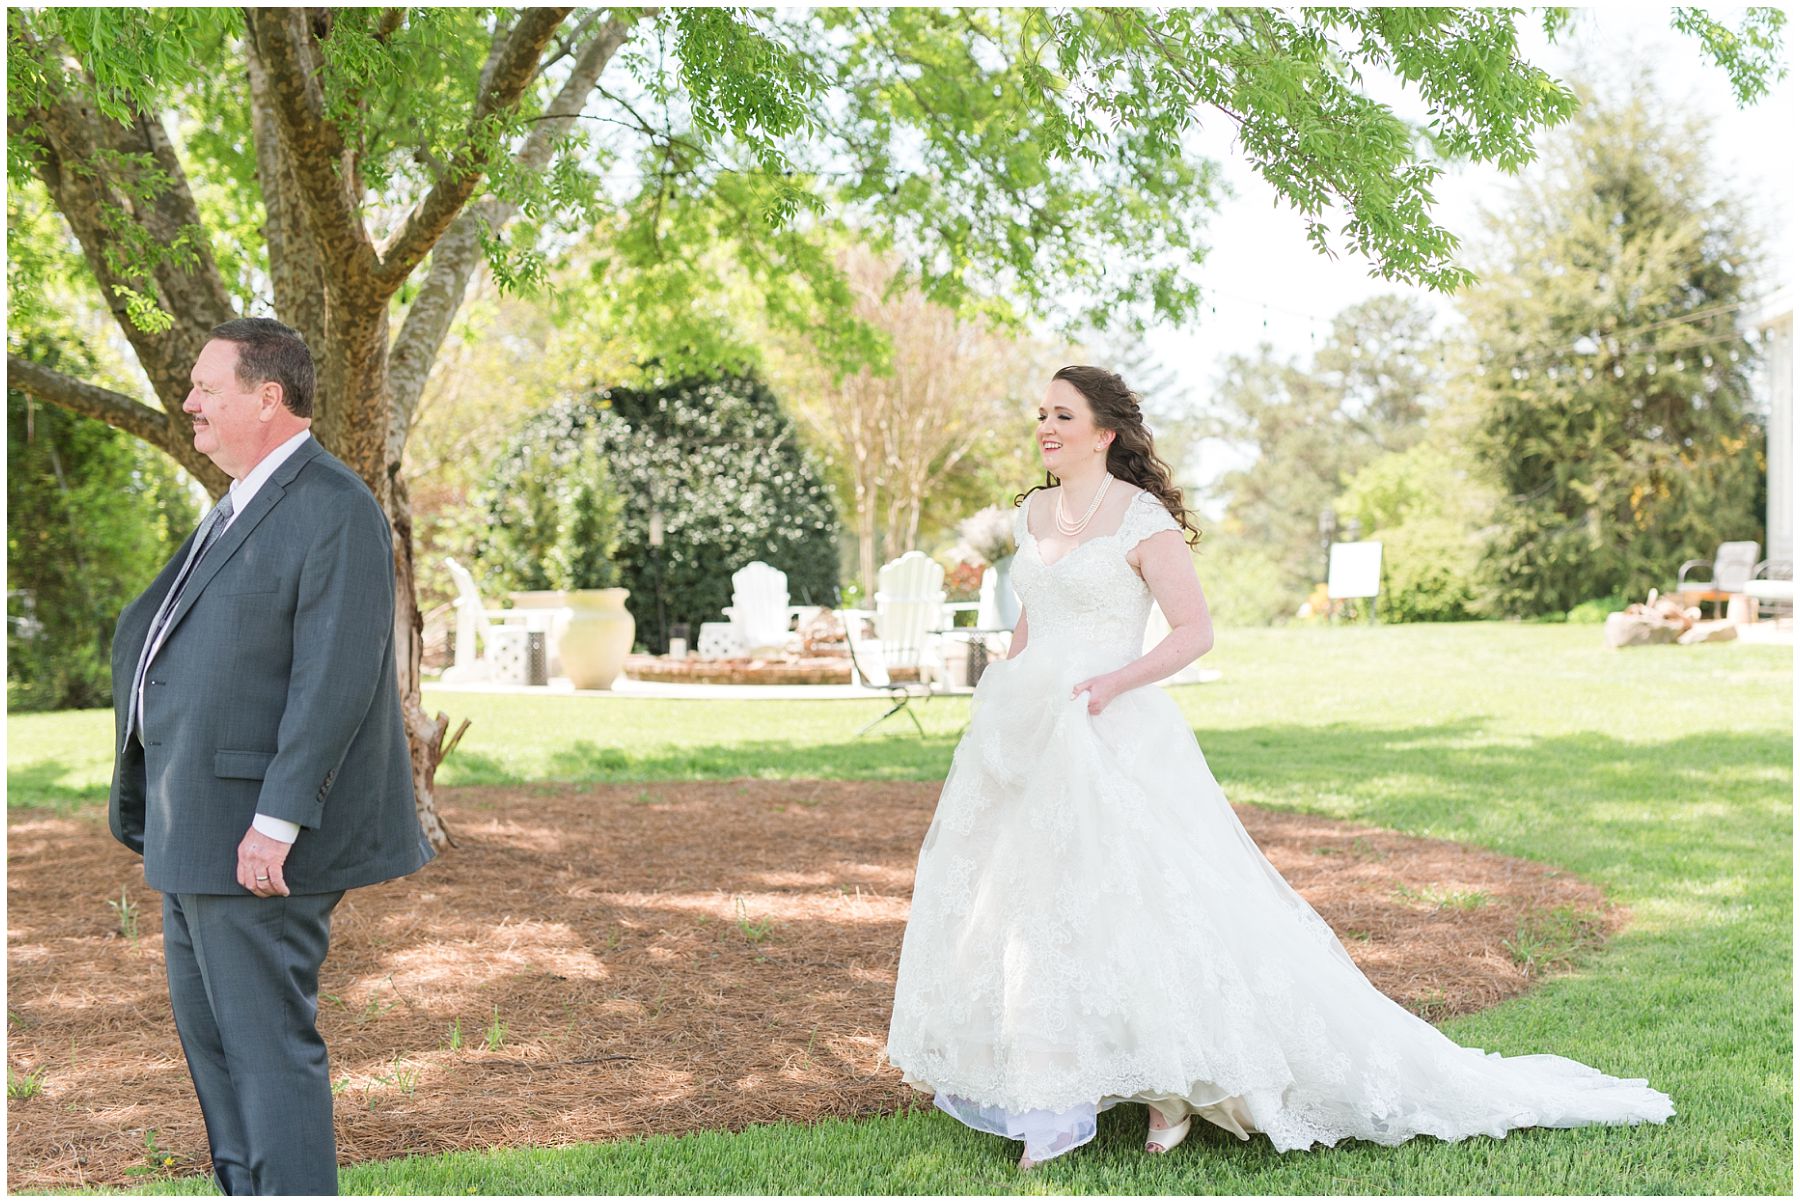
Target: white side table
{"points": [[718, 641], [507, 650]]}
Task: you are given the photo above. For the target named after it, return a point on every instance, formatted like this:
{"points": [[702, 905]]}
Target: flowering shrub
{"points": [[988, 533], [963, 581]]}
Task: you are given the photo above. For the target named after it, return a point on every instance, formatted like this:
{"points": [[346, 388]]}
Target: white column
{"points": [[1780, 368]]}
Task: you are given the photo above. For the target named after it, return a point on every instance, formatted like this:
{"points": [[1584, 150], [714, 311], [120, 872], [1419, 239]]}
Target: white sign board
{"points": [[1355, 570]]}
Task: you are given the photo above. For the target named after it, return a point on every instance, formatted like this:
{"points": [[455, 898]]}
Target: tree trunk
{"points": [[426, 734], [354, 387], [865, 537], [330, 280]]}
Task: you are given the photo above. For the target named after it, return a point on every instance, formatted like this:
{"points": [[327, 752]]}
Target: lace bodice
{"points": [[1091, 596]]}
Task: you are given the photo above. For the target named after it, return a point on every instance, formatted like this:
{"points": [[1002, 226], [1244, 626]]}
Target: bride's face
{"points": [[1066, 434]]}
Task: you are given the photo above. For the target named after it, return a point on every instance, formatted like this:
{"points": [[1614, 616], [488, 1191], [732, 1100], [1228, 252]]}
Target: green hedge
{"points": [[716, 457], [1430, 568]]}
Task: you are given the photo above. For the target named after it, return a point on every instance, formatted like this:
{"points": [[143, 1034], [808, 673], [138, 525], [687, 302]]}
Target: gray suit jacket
{"points": [[274, 691]]}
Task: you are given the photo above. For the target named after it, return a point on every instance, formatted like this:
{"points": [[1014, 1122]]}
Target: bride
{"points": [[1090, 922]]}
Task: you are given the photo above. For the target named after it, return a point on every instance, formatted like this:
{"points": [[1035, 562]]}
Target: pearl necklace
{"points": [[1075, 528]]}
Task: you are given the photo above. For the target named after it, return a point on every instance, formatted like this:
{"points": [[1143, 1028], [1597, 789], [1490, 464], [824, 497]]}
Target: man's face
{"points": [[230, 421]]}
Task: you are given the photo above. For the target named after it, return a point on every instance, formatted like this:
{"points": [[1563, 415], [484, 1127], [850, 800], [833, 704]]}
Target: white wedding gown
{"points": [[1091, 924]]}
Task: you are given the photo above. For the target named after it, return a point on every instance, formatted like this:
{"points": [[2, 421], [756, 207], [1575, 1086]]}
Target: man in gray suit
{"points": [[262, 765]]}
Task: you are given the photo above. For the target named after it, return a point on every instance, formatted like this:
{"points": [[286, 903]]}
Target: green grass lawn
{"points": [[1663, 774]]}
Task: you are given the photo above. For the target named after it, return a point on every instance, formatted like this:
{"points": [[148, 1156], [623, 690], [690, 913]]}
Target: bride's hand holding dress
{"points": [[1167, 567]]}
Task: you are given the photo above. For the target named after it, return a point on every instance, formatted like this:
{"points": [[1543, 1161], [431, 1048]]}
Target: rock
{"points": [[1626, 629]]}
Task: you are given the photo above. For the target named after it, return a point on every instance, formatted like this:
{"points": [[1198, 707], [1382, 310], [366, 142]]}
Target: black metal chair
{"points": [[871, 669]]}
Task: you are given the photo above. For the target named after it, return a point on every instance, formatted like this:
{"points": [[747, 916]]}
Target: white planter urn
{"points": [[999, 604], [598, 637]]}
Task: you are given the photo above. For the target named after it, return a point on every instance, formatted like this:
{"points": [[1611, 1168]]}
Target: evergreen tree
{"points": [[1614, 376]]}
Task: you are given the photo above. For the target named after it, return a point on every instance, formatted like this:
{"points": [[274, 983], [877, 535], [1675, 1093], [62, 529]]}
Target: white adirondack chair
{"points": [[473, 620], [759, 611], [909, 603]]}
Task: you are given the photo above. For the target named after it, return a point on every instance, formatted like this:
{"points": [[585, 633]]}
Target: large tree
{"points": [[1614, 381], [349, 168]]}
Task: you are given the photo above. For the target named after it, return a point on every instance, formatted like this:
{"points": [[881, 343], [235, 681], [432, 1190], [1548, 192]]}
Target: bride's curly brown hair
{"points": [[1132, 455]]}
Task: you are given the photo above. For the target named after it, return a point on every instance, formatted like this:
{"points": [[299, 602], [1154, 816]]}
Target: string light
{"points": [[1552, 350], [1543, 351]]}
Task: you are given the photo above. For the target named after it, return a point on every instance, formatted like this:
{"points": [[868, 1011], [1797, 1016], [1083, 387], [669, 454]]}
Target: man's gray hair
{"points": [[268, 350]]}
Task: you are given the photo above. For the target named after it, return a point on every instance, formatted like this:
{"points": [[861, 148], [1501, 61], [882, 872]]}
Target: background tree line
{"points": [[1589, 425]]}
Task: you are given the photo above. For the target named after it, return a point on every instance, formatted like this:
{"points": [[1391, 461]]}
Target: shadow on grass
{"points": [[38, 786], [1705, 806], [1637, 816], [911, 758], [1705, 798]]}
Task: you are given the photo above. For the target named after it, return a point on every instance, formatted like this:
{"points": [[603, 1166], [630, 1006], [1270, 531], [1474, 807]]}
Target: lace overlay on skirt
{"points": [[1092, 924]]}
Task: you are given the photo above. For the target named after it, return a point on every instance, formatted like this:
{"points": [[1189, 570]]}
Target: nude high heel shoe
{"points": [[1161, 1140]]}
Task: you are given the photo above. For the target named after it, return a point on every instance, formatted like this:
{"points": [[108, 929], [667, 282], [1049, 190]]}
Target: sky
{"points": [[1266, 284]]}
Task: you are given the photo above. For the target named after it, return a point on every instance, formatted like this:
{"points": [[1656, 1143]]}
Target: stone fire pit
{"points": [[773, 670]]}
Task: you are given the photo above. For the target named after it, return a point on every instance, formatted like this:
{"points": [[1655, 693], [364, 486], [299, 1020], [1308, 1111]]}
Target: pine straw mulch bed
{"points": [[651, 958]]}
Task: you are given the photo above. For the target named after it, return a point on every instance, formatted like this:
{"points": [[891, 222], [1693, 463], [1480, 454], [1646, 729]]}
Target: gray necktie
{"points": [[211, 529]]}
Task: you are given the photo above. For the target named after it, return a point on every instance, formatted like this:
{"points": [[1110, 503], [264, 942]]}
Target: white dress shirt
{"points": [[242, 492], [245, 490]]}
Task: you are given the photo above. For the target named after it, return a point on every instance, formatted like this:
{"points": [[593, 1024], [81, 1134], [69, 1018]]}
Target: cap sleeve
{"points": [[1019, 522], [1146, 516]]}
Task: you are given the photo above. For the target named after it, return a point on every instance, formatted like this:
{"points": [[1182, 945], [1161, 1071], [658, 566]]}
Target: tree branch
{"points": [[165, 431], [565, 46], [315, 151], [294, 267], [172, 218], [562, 111], [496, 44], [457, 254], [137, 234], [512, 74]]}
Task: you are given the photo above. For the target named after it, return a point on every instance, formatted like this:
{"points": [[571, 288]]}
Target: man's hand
{"points": [[259, 860], [1100, 690]]}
